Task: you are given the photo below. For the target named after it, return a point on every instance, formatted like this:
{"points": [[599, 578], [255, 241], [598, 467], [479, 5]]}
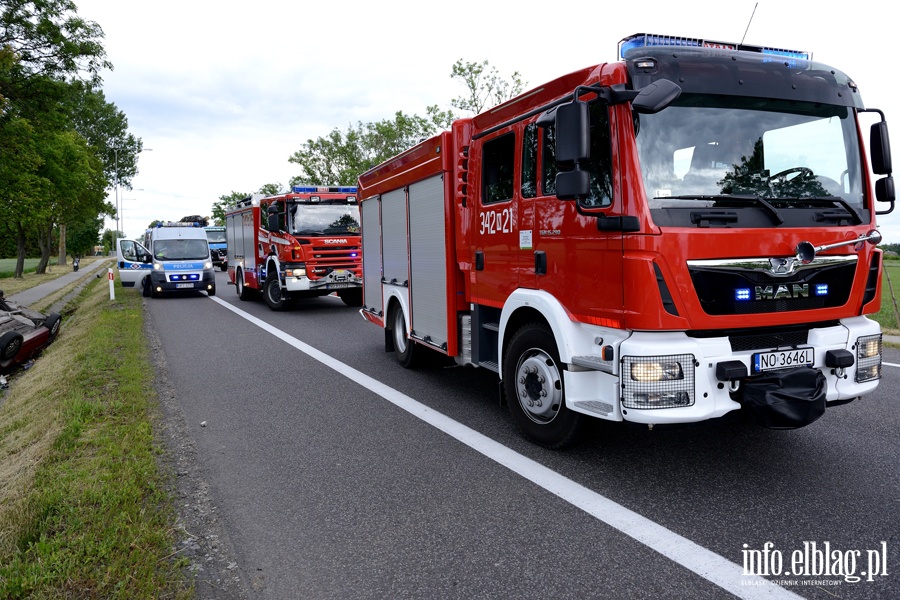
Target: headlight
{"points": [[656, 371], [295, 272], [207, 264], [868, 358], [157, 266], [658, 381]]}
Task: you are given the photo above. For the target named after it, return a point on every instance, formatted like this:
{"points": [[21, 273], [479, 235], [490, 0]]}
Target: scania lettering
{"points": [[285, 247], [683, 234], [176, 258]]}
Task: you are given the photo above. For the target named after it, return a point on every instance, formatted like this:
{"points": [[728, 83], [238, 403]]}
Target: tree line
{"points": [[62, 144], [341, 156]]}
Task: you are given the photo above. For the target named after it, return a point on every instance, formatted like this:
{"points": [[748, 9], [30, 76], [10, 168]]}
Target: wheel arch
{"points": [[526, 306], [393, 300]]}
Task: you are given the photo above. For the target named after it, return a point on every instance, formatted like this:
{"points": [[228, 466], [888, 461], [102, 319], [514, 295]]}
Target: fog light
{"points": [[868, 354], [657, 400]]}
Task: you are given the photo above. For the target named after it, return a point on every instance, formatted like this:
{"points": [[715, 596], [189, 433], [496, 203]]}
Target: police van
{"points": [[174, 257]]}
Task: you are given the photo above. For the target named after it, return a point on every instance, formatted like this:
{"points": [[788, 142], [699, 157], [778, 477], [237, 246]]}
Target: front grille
{"points": [[768, 340], [717, 288]]}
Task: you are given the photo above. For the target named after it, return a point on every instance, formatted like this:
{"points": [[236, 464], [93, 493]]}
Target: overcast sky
{"points": [[222, 96]]}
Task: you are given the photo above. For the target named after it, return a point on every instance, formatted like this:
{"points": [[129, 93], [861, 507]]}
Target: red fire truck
{"points": [[683, 234], [300, 244]]}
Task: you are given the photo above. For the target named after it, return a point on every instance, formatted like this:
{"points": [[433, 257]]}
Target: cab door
{"points": [[503, 227], [134, 262]]}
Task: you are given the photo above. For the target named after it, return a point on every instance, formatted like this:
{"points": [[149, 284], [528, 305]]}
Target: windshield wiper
{"points": [[824, 200], [724, 199]]}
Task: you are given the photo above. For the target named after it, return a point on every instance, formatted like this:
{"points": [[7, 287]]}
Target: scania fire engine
{"points": [[683, 234], [300, 244]]}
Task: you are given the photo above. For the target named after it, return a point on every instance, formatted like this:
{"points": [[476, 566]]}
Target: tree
{"points": [[108, 240], [339, 158], [74, 186], [19, 184], [221, 207], [271, 189], [50, 40], [484, 86], [44, 47]]}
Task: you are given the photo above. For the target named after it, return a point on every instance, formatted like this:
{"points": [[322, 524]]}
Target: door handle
{"points": [[540, 262]]}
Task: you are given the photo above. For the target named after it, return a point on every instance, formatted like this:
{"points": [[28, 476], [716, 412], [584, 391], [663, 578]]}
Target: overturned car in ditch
{"points": [[24, 333]]}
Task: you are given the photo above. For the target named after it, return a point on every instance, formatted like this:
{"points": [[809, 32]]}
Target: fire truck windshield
{"points": [[324, 219], [790, 154]]}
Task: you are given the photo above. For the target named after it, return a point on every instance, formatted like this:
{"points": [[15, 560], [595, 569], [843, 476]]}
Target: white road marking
{"points": [[709, 565]]}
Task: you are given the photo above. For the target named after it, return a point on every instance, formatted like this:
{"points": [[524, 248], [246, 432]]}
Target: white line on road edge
{"points": [[684, 552]]}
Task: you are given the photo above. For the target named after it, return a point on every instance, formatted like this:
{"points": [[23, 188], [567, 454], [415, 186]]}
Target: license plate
{"points": [[337, 286], [189, 286], [783, 359]]}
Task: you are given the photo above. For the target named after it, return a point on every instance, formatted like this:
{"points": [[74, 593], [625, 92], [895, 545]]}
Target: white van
{"points": [[175, 259]]}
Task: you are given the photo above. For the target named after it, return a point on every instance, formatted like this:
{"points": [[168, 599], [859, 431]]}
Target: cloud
{"points": [[224, 96]]}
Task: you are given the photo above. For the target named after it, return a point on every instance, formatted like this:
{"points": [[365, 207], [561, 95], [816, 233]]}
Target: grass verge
{"points": [[85, 509]]}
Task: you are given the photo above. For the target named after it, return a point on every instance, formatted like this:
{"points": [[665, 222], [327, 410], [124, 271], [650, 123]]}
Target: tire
{"points": [[407, 351], [53, 323], [243, 292], [10, 344], [275, 298], [352, 297], [535, 394], [147, 290]]}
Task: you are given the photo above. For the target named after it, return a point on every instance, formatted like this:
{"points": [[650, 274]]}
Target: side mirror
{"points": [[573, 146], [572, 134], [884, 192], [880, 146]]}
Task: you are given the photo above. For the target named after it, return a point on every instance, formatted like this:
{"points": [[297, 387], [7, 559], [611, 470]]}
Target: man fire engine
{"points": [[299, 244], [668, 238]]}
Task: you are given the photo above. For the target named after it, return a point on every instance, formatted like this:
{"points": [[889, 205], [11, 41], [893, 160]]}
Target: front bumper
{"points": [[702, 389], [180, 281]]}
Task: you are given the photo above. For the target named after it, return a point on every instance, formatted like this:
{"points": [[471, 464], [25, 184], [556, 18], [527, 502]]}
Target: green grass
{"points": [[887, 316], [8, 266], [85, 509]]}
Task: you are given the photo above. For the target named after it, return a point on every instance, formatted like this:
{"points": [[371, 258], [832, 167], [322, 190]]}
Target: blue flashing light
{"points": [[821, 289], [742, 294], [647, 40], [323, 189]]}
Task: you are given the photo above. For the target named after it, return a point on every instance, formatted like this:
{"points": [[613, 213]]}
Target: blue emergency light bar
{"points": [[178, 224], [648, 40], [311, 189]]}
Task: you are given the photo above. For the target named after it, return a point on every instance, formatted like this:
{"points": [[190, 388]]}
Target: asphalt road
{"points": [[338, 474]]}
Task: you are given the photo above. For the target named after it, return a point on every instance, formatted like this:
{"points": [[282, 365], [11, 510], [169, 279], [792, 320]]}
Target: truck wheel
{"points": [[272, 291], [533, 385], [146, 287], [10, 344], [243, 292], [351, 297], [408, 353]]}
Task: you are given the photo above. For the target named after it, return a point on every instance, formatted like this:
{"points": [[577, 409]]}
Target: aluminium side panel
{"points": [[428, 261], [394, 248], [371, 249]]}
